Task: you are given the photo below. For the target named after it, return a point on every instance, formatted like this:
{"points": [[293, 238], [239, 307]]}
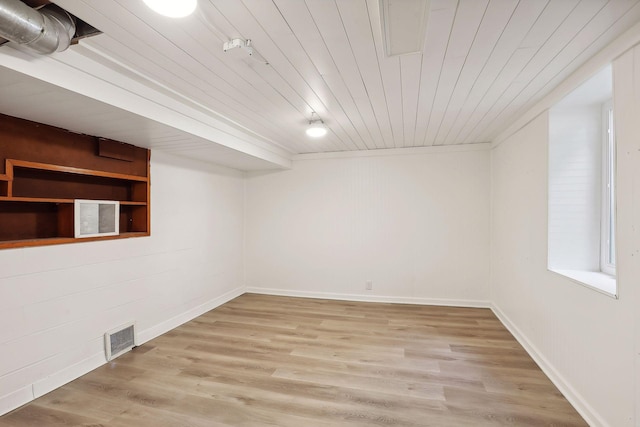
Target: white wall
{"points": [[583, 339], [56, 302], [575, 189], [627, 111], [417, 225]]}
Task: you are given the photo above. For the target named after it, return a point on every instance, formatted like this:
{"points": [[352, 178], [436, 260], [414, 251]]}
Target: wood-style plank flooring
{"points": [[292, 362]]}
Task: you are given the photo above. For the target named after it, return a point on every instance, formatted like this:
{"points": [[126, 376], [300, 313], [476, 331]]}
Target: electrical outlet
{"points": [[368, 285]]}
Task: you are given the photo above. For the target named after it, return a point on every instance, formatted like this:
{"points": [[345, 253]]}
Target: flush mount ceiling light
{"points": [[172, 8], [316, 127], [404, 25]]}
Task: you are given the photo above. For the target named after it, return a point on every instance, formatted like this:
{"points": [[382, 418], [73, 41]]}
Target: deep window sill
{"points": [[600, 282]]}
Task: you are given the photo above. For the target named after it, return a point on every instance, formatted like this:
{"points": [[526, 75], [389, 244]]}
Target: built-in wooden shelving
{"points": [[37, 197]]}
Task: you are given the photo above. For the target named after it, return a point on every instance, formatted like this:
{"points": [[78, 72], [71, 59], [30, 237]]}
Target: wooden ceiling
{"points": [[484, 63]]}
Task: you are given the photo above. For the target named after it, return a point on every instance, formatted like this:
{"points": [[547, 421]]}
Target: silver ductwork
{"points": [[47, 30]]}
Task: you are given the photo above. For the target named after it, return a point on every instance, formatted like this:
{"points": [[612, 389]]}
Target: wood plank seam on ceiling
{"points": [[483, 119], [467, 25], [333, 75], [305, 64], [495, 126], [518, 26], [354, 15], [499, 17]]}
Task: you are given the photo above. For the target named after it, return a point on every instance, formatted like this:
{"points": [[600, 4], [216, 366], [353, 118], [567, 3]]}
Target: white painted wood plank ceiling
{"points": [[36, 100], [484, 63]]}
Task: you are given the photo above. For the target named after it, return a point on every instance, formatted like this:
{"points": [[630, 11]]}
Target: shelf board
{"points": [[12, 163], [34, 200], [4, 178], [62, 240], [52, 200]]}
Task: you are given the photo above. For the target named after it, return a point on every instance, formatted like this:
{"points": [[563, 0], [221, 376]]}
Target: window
{"points": [[581, 192], [608, 240]]}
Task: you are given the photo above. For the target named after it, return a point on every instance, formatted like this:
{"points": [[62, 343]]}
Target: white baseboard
{"points": [[17, 398], [371, 298], [60, 378], [174, 322], [579, 403]]}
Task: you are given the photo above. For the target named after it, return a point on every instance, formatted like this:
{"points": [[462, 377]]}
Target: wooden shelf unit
{"points": [[4, 185], [70, 201], [41, 180], [37, 202], [63, 240], [44, 169]]}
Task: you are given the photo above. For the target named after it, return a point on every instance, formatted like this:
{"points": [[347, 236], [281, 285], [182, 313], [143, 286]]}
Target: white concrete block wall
{"points": [[56, 302]]}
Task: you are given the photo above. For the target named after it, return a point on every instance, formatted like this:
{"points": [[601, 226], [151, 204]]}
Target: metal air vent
{"points": [[120, 340]]}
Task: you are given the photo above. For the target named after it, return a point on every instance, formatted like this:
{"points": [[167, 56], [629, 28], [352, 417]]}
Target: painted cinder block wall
{"points": [[56, 302]]}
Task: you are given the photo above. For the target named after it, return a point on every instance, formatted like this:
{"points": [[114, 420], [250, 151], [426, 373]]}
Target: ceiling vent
{"points": [[404, 25], [45, 30]]}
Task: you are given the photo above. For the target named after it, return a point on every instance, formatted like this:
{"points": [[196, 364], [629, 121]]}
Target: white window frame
{"points": [[569, 255], [607, 238]]}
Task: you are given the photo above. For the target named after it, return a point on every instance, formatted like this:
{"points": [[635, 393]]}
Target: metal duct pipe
{"points": [[46, 31]]}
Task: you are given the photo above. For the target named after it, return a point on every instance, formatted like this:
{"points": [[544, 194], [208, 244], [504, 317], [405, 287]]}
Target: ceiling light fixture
{"points": [[316, 127], [404, 25], [172, 8]]}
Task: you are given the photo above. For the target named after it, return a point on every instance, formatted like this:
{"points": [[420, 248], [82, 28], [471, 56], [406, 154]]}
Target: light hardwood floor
{"points": [[292, 362]]}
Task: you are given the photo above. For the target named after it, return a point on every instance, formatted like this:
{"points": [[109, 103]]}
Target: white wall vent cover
{"points": [[95, 218], [119, 340]]}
